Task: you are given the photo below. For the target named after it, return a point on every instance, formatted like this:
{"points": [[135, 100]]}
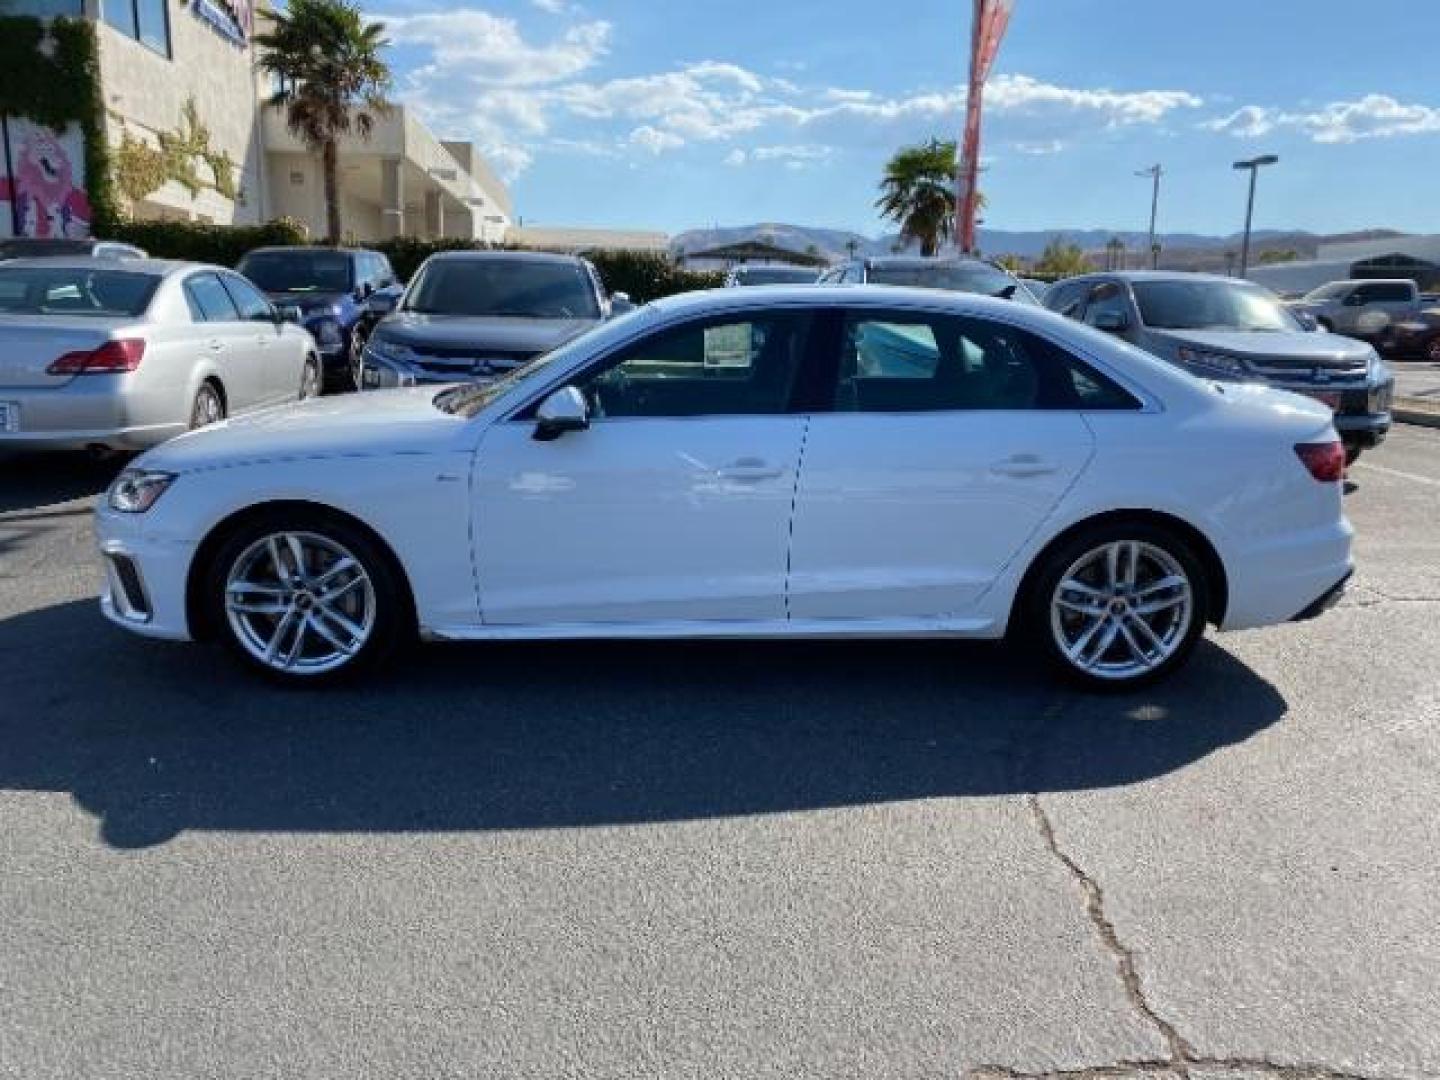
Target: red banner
{"points": [[986, 32]]}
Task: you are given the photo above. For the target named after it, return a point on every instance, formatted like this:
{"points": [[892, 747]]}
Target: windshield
{"points": [[1329, 292], [965, 277], [775, 275], [298, 271], [75, 290], [503, 288], [1210, 305]]}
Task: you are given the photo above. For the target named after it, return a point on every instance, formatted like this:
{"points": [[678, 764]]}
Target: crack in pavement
{"points": [[1182, 1057]]}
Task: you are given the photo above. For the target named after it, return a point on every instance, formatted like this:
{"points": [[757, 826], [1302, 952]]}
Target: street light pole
{"points": [[1254, 165], [1155, 172]]}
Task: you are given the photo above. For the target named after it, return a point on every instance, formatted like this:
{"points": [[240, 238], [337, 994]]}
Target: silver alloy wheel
{"points": [[208, 408], [300, 603], [1122, 610]]}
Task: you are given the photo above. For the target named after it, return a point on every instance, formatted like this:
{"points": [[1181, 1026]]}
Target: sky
{"points": [[674, 114]]}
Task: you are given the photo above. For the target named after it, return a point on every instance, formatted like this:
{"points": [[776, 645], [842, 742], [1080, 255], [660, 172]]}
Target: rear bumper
{"points": [[107, 411], [135, 438], [1272, 580], [1327, 600]]}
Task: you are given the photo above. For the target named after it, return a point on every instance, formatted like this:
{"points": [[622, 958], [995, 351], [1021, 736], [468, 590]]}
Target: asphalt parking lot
{"points": [[722, 860]]}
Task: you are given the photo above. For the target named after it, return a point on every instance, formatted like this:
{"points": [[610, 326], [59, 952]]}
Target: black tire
{"points": [[208, 407], [1038, 611], [393, 620], [312, 381], [1352, 453], [1432, 350]]}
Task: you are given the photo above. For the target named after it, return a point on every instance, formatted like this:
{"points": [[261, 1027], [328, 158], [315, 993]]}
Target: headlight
{"points": [[136, 490], [1220, 363], [385, 364]]}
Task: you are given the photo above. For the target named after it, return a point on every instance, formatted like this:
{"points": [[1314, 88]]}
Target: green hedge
{"points": [[196, 241]]}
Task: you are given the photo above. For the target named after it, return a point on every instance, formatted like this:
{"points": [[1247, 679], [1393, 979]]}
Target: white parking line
{"points": [[1428, 481]]}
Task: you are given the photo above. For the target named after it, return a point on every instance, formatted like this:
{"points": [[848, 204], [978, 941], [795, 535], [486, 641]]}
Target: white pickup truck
{"points": [[1361, 308]]}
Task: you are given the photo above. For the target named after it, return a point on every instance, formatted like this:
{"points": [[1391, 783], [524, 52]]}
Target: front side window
{"points": [[251, 305], [905, 362], [503, 288], [729, 368], [208, 300], [75, 291]]}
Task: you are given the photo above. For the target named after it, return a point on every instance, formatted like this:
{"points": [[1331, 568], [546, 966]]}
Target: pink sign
{"points": [[43, 193]]}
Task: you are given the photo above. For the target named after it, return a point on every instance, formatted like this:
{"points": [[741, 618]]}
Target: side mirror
{"points": [[379, 305], [621, 304], [564, 410], [1112, 322], [364, 291], [290, 313]]}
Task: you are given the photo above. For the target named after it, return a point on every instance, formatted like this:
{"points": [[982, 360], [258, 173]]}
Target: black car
{"points": [[1416, 337], [963, 274], [471, 316], [30, 247], [340, 293]]}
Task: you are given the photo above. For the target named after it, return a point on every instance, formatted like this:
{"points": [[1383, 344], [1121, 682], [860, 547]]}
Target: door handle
{"points": [[1024, 465], [215, 345], [749, 470]]}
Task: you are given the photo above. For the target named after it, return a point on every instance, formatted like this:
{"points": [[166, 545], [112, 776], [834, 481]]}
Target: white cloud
{"points": [[655, 140], [553, 7], [736, 158], [1021, 94], [481, 48], [1374, 116]]}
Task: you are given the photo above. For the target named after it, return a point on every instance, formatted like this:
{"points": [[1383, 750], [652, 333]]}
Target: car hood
{"points": [[457, 332], [351, 425], [1274, 349]]}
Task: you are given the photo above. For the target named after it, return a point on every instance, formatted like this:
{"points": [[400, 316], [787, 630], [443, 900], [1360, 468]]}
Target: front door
{"points": [[949, 441], [674, 506]]}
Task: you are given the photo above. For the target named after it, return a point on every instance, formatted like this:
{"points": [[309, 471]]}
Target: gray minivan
{"points": [[1232, 330]]}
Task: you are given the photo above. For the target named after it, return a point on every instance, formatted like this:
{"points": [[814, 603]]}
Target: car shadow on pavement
{"points": [[155, 739], [30, 481]]}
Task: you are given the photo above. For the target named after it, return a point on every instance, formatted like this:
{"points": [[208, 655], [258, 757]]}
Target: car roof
{"points": [[761, 296], [909, 261], [464, 255], [309, 247], [1153, 275], [154, 267]]}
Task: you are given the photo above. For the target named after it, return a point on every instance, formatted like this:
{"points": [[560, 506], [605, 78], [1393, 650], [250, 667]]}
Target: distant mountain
{"points": [[1178, 250]]}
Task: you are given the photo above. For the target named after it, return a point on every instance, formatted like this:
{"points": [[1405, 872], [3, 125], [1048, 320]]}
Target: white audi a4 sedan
{"points": [[771, 462]]}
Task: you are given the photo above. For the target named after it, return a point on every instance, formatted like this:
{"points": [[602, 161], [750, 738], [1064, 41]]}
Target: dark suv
{"points": [[962, 274], [341, 293]]}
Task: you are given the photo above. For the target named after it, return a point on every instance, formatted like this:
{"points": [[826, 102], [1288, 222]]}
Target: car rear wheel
{"points": [[306, 599], [1432, 351], [1118, 606], [208, 407]]}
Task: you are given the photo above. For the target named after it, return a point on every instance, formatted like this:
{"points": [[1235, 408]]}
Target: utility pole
{"points": [[1254, 165], [1155, 172]]}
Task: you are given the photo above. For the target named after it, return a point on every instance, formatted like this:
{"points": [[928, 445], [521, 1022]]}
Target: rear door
{"points": [[225, 342], [280, 357], [947, 442]]}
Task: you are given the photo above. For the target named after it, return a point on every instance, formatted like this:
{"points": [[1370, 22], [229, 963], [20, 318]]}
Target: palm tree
{"points": [[330, 79], [918, 192]]}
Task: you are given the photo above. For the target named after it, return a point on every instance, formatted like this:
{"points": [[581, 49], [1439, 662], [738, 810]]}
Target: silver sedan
{"points": [[102, 355]]}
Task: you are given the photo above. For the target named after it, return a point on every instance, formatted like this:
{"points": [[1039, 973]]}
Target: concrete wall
{"points": [[145, 93]]}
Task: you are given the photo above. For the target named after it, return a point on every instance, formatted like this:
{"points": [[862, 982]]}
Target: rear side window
{"points": [[252, 306], [904, 362], [1386, 294], [208, 300]]}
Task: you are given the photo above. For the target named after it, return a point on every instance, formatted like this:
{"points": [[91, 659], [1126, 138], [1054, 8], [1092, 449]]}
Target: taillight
{"points": [[1326, 461], [112, 358]]}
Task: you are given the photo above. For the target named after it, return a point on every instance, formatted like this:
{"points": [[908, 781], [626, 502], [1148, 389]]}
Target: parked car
{"points": [[476, 315], [1231, 330], [1361, 309], [646, 480], [770, 274], [1037, 288], [341, 294], [955, 275], [28, 247], [108, 356], [1416, 337]]}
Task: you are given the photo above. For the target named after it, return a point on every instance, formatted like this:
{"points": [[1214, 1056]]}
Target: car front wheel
{"points": [[1119, 606], [306, 599]]}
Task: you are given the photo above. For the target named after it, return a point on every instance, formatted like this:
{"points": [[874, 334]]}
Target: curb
{"points": [[1416, 411]]}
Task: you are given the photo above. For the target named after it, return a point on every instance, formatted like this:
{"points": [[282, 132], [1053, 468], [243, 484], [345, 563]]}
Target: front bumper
{"points": [[145, 576]]}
